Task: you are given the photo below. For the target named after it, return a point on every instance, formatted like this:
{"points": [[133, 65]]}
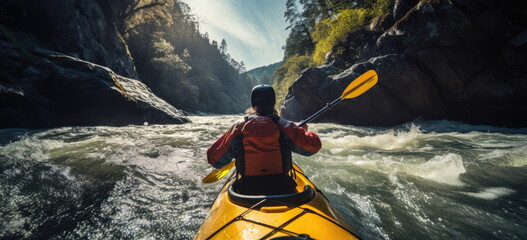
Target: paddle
{"points": [[354, 89], [218, 173]]}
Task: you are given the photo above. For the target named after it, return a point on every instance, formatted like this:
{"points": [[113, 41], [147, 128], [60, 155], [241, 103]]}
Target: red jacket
{"points": [[297, 139]]}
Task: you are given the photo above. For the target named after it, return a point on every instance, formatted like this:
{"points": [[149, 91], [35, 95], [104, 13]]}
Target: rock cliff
{"points": [[455, 60], [84, 29]]}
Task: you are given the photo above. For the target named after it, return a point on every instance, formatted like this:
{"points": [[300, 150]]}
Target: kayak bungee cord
{"points": [[305, 214], [281, 227]]}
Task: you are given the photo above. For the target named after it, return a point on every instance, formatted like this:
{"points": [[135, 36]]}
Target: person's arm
{"points": [[300, 140], [223, 150]]}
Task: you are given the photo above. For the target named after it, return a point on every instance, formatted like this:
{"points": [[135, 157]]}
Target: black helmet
{"points": [[262, 94]]}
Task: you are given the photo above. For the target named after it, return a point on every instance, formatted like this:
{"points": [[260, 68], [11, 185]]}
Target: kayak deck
{"points": [[306, 214]]}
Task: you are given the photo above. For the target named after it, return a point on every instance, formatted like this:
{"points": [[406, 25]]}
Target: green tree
{"points": [[299, 41], [168, 60], [130, 8]]}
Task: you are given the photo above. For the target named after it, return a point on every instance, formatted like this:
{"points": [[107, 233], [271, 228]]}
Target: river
{"points": [[420, 180]]}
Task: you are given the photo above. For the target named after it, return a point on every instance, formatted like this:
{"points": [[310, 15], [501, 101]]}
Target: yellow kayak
{"points": [[306, 214]]}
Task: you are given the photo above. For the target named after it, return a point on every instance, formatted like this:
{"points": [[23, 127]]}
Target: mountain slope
{"points": [[264, 75]]}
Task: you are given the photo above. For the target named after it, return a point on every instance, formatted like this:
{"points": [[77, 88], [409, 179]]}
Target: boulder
{"points": [[40, 88], [401, 7]]}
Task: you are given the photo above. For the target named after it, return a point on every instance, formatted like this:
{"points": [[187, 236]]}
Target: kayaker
{"points": [[262, 146]]}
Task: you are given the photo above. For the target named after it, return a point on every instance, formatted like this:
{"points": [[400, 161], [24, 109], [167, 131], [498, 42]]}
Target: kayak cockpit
{"points": [[304, 192], [257, 201]]}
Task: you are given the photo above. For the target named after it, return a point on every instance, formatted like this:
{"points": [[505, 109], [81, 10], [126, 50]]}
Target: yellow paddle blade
{"points": [[360, 85], [218, 173]]}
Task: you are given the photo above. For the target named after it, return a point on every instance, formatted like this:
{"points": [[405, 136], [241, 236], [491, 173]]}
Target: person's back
{"points": [[262, 146]]}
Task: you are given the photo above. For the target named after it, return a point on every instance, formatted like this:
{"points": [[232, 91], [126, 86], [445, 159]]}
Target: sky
{"points": [[254, 29]]}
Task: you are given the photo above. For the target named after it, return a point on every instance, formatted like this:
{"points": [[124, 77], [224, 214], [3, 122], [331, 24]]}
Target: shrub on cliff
{"points": [[331, 31], [286, 74]]}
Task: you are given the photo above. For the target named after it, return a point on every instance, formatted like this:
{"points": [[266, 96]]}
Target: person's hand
{"points": [[304, 127]]}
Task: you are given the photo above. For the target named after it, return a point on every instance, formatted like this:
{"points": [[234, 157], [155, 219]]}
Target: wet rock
{"points": [[40, 88], [401, 7]]}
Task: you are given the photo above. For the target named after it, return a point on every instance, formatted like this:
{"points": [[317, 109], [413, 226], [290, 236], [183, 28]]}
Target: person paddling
{"points": [[262, 145]]}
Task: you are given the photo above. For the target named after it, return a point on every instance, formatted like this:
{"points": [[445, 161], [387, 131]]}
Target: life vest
{"points": [[262, 150]]}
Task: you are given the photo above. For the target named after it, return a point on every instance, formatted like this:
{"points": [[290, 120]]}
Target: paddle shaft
{"points": [[324, 109]]}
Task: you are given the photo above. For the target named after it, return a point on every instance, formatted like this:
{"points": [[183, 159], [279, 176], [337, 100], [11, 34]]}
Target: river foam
{"points": [[389, 140], [517, 158], [443, 169], [491, 193]]}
